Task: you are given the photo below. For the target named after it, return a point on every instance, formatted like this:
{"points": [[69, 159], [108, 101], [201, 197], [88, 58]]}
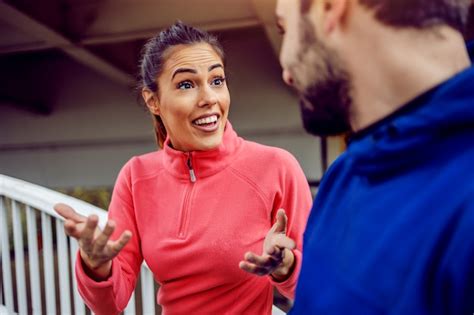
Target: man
{"points": [[392, 228]]}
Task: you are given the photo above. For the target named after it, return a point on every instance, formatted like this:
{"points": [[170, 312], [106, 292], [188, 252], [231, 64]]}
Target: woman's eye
{"points": [[218, 81], [185, 85]]}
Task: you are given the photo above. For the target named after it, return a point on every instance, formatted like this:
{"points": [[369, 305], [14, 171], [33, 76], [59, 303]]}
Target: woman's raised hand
{"points": [[277, 258], [95, 247]]}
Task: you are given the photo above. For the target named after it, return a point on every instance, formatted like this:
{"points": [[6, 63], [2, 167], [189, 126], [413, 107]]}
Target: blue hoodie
{"points": [[392, 228]]}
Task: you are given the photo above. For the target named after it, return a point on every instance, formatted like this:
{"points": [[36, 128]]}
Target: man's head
{"points": [[314, 55]]}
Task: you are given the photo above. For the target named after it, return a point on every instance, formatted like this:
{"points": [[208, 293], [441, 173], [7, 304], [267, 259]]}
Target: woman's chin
{"points": [[209, 143], [209, 146]]}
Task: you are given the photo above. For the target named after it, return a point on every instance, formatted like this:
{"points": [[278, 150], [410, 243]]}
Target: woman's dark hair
{"points": [[155, 55]]}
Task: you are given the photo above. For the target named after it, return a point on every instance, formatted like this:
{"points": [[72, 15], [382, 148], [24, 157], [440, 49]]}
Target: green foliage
{"points": [[98, 196], [21, 212]]}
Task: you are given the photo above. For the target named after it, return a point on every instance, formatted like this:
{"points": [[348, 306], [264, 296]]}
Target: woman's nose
{"points": [[208, 97]]}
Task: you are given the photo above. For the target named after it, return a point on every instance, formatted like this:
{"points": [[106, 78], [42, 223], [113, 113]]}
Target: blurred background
{"points": [[69, 111]]}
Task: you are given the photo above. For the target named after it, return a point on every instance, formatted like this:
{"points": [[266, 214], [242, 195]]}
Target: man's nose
{"points": [[287, 77]]}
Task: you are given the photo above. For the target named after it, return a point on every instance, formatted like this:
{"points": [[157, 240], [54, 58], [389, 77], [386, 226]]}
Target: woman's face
{"points": [[193, 99]]}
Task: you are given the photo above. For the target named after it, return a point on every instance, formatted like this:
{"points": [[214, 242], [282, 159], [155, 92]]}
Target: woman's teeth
{"points": [[206, 121]]}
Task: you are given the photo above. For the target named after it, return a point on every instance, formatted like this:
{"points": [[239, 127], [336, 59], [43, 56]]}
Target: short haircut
{"points": [[415, 13]]}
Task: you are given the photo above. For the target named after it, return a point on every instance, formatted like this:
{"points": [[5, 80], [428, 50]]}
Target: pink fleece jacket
{"points": [[193, 217]]}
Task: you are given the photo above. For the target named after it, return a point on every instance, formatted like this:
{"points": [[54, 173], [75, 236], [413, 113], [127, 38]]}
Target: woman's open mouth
{"points": [[207, 123]]}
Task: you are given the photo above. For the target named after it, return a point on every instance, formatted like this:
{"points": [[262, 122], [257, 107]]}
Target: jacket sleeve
{"points": [[294, 196], [111, 296]]}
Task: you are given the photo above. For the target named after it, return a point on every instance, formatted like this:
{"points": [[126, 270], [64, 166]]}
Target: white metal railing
{"points": [[43, 282], [47, 263]]}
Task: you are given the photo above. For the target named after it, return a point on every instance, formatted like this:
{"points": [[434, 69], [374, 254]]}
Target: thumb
{"points": [[281, 221]]}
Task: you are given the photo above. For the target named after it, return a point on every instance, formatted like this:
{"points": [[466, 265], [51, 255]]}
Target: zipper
{"points": [[187, 198], [192, 175]]}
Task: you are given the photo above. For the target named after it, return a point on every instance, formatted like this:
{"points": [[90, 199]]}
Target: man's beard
{"points": [[324, 86]]}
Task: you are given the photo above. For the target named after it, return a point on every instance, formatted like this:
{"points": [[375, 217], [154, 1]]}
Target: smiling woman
{"points": [[198, 210], [179, 59], [193, 99]]}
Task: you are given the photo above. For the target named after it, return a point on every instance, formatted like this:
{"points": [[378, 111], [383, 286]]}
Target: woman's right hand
{"points": [[95, 247]]}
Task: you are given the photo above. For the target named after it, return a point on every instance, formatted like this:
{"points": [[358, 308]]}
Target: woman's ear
{"points": [[151, 101]]}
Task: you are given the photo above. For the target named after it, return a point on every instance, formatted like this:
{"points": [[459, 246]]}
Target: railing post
{"points": [[48, 258], [6, 266], [148, 291], [19, 259], [63, 266], [79, 307], [130, 309], [33, 260]]}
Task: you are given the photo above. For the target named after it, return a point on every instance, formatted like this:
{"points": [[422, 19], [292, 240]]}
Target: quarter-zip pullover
{"points": [[193, 217]]}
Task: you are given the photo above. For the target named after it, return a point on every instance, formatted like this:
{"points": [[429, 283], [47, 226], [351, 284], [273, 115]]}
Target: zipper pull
{"points": [[192, 176]]}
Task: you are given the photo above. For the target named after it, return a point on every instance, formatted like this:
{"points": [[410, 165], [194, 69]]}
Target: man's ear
{"points": [[335, 12], [151, 101]]}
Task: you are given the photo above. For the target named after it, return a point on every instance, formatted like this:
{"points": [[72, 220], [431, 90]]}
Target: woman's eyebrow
{"points": [[193, 71], [217, 65], [183, 70]]}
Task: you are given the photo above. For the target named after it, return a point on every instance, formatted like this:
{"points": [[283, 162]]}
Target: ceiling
{"points": [[107, 35]]}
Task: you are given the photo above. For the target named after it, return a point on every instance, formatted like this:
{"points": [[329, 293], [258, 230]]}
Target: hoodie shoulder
{"points": [[268, 154], [144, 166]]}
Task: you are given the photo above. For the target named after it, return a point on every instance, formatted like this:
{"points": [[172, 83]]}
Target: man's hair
{"points": [[421, 13], [415, 13]]}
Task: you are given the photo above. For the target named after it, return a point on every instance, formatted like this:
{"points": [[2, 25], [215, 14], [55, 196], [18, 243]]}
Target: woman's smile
{"points": [[207, 123]]}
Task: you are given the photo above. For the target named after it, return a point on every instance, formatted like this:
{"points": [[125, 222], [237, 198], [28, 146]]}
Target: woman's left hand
{"points": [[277, 258]]}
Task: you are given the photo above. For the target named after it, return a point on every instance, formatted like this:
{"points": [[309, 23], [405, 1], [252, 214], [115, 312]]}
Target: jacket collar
{"points": [[203, 163], [470, 49], [413, 131]]}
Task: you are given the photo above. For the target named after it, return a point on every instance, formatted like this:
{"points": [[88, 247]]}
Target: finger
{"points": [[70, 227], [281, 221], [116, 246], [278, 256], [275, 252], [68, 213], [257, 259], [282, 241], [87, 234], [265, 261], [102, 239], [277, 243], [252, 268]]}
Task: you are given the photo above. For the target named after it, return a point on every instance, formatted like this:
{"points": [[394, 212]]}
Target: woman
{"points": [[201, 207]]}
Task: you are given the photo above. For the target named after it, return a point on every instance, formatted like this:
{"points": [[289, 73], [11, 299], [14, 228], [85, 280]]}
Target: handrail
{"points": [[44, 199]]}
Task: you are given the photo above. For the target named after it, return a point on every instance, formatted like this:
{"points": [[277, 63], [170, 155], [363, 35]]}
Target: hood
{"points": [[417, 129], [470, 49]]}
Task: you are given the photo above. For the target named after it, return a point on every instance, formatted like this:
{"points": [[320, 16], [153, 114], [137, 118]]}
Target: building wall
{"points": [[97, 125]]}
